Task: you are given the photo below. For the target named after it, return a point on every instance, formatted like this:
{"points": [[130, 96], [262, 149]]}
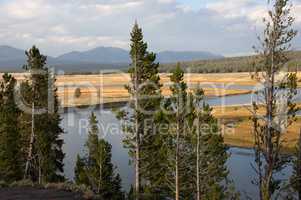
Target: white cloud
{"points": [[223, 26], [247, 9], [297, 12], [22, 9], [108, 9]]}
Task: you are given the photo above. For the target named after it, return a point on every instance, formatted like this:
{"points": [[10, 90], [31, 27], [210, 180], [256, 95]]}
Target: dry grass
{"points": [[239, 111], [97, 89], [239, 133], [237, 127]]}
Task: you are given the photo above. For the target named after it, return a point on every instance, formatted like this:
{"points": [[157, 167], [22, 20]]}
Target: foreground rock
{"points": [[28, 193]]}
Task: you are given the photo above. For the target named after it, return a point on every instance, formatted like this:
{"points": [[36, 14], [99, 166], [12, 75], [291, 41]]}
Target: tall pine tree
{"points": [[211, 154], [10, 143], [41, 128], [276, 96], [180, 146], [146, 95]]}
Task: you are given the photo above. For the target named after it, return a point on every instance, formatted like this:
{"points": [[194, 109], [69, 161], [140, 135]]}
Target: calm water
{"points": [[75, 125], [245, 99]]}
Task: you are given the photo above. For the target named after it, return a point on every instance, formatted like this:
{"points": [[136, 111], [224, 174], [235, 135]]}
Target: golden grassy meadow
{"points": [[109, 88]]}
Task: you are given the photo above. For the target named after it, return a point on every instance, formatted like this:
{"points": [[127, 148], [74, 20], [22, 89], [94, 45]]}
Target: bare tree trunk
{"points": [[177, 166], [299, 167], [269, 141], [198, 163], [30, 149], [137, 170], [40, 170], [100, 177], [177, 153], [137, 155]]}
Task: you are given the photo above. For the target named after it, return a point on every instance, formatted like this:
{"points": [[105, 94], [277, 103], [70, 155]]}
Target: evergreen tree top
{"points": [[7, 77], [177, 74], [93, 124], [138, 46], [35, 60]]}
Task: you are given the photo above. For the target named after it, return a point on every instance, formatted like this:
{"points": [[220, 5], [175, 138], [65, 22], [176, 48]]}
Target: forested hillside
{"points": [[233, 64]]}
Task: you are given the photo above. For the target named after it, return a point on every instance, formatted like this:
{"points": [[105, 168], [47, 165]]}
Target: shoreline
{"points": [[115, 104]]}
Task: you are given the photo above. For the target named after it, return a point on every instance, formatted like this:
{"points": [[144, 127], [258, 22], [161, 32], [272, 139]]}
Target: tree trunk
{"points": [[299, 167], [137, 171], [177, 153], [137, 155], [177, 167], [31, 143], [198, 163], [268, 137], [100, 176], [40, 170]]}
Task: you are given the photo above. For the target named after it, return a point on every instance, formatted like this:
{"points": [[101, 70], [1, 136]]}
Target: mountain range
{"points": [[12, 59]]}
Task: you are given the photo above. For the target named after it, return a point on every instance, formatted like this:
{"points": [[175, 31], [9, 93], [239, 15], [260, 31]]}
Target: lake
{"points": [[75, 124], [244, 99]]}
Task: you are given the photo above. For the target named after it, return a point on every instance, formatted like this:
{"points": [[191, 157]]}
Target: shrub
{"points": [[77, 92], [22, 183], [71, 187], [3, 184]]}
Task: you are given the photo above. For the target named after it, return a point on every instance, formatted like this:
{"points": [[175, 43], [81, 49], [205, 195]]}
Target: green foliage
{"points": [[22, 183], [189, 115], [71, 187], [96, 169], [10, 143], [39, 89], [214, 183], [131, 195], [276, 96], [3, 184], [80, 173], [180, 151], [145, 90]]}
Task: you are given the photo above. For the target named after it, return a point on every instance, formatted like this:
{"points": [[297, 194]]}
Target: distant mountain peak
{"points": [[11, 57]]}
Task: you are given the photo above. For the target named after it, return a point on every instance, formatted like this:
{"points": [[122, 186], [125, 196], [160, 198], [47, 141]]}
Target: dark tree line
{"points": [[229, 65]]}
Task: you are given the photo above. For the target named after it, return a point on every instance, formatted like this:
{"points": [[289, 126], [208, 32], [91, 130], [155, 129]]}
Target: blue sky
{"points": [[227, 27]]}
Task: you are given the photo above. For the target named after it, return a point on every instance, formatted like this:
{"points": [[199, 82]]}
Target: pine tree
{"points": [[195, 149], [130, 195], [146, 95], [211, 153], [276, 97], [180, 150], [10, 143], [81, 177], [96, 169], [41, 129]]}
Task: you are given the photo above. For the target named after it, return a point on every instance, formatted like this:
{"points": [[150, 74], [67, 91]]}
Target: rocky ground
{"points": [[26, 193]]}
